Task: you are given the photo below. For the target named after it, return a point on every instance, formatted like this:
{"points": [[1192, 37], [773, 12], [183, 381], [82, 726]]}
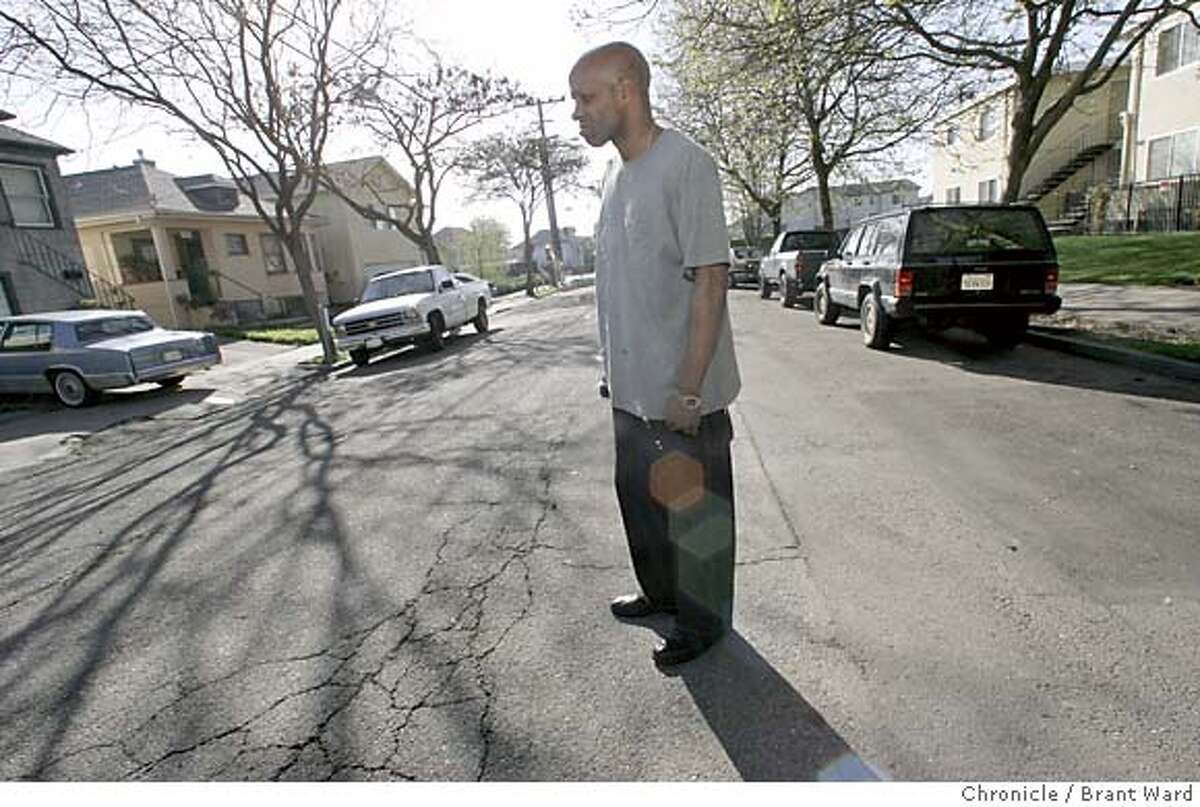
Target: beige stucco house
{"points": [[191, 251], [970, 148], [1162, 118], [356, 248]]}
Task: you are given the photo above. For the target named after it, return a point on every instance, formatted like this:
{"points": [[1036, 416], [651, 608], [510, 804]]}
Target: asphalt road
{"points": [[952, 565]]}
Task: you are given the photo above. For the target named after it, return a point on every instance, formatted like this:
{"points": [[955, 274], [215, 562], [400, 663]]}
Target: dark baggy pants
{"points": [[676, 497]]}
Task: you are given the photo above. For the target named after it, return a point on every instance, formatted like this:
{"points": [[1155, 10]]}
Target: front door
{"points": [[189, 250]]}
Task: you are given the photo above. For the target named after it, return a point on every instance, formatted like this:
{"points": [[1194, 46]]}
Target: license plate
{"points": [[979, 282], [172, 355], [374, 342]]}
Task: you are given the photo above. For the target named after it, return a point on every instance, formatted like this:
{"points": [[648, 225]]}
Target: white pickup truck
{"points": [[411, 305]]}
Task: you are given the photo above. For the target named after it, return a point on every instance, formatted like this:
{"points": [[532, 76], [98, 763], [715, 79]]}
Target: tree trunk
{"points": [[429, 248], [1019, 156], [527, 256], [825, 197], [294, 243]]}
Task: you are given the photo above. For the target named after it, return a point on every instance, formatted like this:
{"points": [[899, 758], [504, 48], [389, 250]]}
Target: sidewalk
{"points": [[1092, 312], [1170, 313]]}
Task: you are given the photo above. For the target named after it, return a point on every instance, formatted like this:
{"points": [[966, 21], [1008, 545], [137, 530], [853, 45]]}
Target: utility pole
{"points": [[547, 180]]}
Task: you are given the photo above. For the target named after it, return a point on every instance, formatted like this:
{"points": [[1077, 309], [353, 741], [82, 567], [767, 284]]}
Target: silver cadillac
{"points": [[76, 354]]}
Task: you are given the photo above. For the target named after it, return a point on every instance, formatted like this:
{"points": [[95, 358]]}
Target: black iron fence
{"points": [[1158, 206]]}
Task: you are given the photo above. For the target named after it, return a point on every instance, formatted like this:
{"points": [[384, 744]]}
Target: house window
{"points": [[951, 134], [236, 244], [953, 195], [397, 213], [1177, 47], [1174, 155], [989, 190], [987, 123], [24, 187], [272, 250], [136, 257]]}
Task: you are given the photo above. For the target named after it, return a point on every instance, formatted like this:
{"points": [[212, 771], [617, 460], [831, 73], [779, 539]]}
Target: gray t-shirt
{"points": [[660, 217]]}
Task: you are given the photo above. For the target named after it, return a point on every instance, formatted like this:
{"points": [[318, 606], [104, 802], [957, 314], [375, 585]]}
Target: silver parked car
{"points": [[76, 354]]}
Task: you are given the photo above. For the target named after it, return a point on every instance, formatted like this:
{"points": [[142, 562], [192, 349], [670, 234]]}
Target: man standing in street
{"points": [[662, 254]]}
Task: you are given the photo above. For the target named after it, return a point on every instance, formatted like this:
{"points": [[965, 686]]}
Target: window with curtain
{"points": [[272, 251]]}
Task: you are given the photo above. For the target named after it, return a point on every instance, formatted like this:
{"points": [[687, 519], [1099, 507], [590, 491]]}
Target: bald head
{"points": [[611, 89], [620, 62]]}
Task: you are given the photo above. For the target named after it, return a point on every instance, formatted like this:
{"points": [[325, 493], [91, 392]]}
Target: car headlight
{"points": [[340, 330], [411, 314]]}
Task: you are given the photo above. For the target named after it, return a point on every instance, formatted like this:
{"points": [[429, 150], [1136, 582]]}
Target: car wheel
{"points": [[1007, 333], [481, 319], [875, 322], [360, 357], [825, 310], [437, 331], [764, 287], [71, 390], [787, 292], [173, 381]]}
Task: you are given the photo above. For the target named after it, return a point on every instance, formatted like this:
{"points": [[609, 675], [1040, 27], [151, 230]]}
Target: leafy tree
{"points": [[763, 155], [508, 165], [261, 82], [845, 91], [1026, 43], [485, 245]]}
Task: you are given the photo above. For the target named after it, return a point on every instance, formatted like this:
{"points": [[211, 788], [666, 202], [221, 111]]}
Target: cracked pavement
{"points": [[401, 572]]}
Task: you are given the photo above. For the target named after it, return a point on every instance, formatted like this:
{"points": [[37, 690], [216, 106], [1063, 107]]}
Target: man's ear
{"points": [[621, 88]]}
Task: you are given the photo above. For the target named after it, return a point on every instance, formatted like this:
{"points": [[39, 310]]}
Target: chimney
{"points": [[141, 160]]}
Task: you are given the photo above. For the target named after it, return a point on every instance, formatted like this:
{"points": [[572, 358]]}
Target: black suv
{"points": [[986, 267]]}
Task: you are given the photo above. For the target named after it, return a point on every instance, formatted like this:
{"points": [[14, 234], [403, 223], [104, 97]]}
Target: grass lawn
{"points": [[279, 335], [1163, 259]]}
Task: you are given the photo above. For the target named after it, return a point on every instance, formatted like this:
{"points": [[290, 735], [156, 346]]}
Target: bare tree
{"points": [[508, 166], [1026, 43], [261, 82], [425, 116]]}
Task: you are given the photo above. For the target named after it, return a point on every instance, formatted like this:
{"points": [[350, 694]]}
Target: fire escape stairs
{"points": [[65, 270], [1077, 213]]}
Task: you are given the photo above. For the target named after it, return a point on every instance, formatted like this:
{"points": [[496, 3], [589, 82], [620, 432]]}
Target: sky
{"points": [[534, 42]]}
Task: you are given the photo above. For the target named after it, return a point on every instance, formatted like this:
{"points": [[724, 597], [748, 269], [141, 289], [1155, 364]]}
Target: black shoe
{"points": [[636, 606], [679, 648]]}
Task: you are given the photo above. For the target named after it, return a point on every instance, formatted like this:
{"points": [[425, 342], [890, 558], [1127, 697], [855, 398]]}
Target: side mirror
{"points": [[447, 285]]}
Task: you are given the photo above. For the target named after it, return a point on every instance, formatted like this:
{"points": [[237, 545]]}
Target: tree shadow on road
{"points": [[284, 448], [768, 729]]}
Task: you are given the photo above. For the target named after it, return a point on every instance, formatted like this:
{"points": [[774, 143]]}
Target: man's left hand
{"points": [[681, 417]]}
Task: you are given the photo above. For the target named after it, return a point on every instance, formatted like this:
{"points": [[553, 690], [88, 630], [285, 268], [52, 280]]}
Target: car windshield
{"points": [[398, 285], [957, 231], [110, 327], [806, 242]]}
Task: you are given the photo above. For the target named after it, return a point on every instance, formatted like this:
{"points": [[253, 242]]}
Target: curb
{"points": [[1059, 340]]}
